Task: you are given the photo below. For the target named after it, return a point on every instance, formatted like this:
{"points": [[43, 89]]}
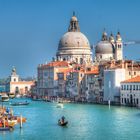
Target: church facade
{"points": [[16, 85]]}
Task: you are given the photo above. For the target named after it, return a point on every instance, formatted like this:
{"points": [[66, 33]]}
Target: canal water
{"points": [[86, 122]]}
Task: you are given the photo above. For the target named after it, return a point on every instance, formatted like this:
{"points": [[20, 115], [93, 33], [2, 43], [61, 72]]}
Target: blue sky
{"points": [[31, 29]]}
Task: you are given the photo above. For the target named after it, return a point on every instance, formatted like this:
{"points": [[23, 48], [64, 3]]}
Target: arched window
{"points": [[137, 100], [125, 100], [26, 89], [81, 60], [122, 100], [16, 90]]}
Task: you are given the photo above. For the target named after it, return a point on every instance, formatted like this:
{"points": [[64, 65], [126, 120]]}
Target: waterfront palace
{"points": [[75, 75]]}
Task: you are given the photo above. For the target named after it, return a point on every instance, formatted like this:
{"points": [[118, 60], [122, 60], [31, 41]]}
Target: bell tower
{"points": [[118, 47], [14, 77]]}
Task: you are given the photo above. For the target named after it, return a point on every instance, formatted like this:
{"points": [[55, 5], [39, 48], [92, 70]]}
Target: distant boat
{"points": [[60, 105], [62, 121], [4, 98], [19, 103], [48, 100]]}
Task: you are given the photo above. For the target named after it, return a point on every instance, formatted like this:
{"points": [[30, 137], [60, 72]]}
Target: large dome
{"points": [[74, 40], [104, 47], [74, 46]]}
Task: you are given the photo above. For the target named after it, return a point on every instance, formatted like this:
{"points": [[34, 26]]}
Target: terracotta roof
{"points": [[64, 70], [54, 64], [95, 71], [132, 80]]}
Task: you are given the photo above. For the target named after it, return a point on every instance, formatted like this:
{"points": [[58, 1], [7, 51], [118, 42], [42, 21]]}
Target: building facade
{"points": [[92, 87], [130, 92], [47, 82], [75, 84], [16, 85], [112, 80]]}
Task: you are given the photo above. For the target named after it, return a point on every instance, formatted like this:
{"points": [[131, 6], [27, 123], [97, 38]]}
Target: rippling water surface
{"points": [[86, 122]]}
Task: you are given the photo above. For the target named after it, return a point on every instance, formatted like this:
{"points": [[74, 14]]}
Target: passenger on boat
{"points": [[63, 119]]}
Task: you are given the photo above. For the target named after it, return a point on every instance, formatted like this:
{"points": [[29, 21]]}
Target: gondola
{"points": [[19, 103], [62, 124]]}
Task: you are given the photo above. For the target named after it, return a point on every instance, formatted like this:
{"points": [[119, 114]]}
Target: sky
{"points": [[31, 29]]}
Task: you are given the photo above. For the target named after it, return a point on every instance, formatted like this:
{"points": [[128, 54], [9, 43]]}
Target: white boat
{"points": [[18, 96], [4, 98], [60, 105]]}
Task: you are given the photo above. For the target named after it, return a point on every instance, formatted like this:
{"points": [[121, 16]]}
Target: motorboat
{"points": [[4, 98], [19, 103], [60, 105]]}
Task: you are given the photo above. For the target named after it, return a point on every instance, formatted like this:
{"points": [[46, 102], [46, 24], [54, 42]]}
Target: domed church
{"points": [[108, 48], [74, 45]]}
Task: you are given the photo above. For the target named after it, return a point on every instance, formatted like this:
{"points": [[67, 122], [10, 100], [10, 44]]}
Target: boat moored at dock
{"points": [[4, 97], [11, 95], [8, 120]]}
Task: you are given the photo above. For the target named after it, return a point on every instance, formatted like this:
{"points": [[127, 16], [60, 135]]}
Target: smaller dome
{"points": [[104, 47], [74, 18]]}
